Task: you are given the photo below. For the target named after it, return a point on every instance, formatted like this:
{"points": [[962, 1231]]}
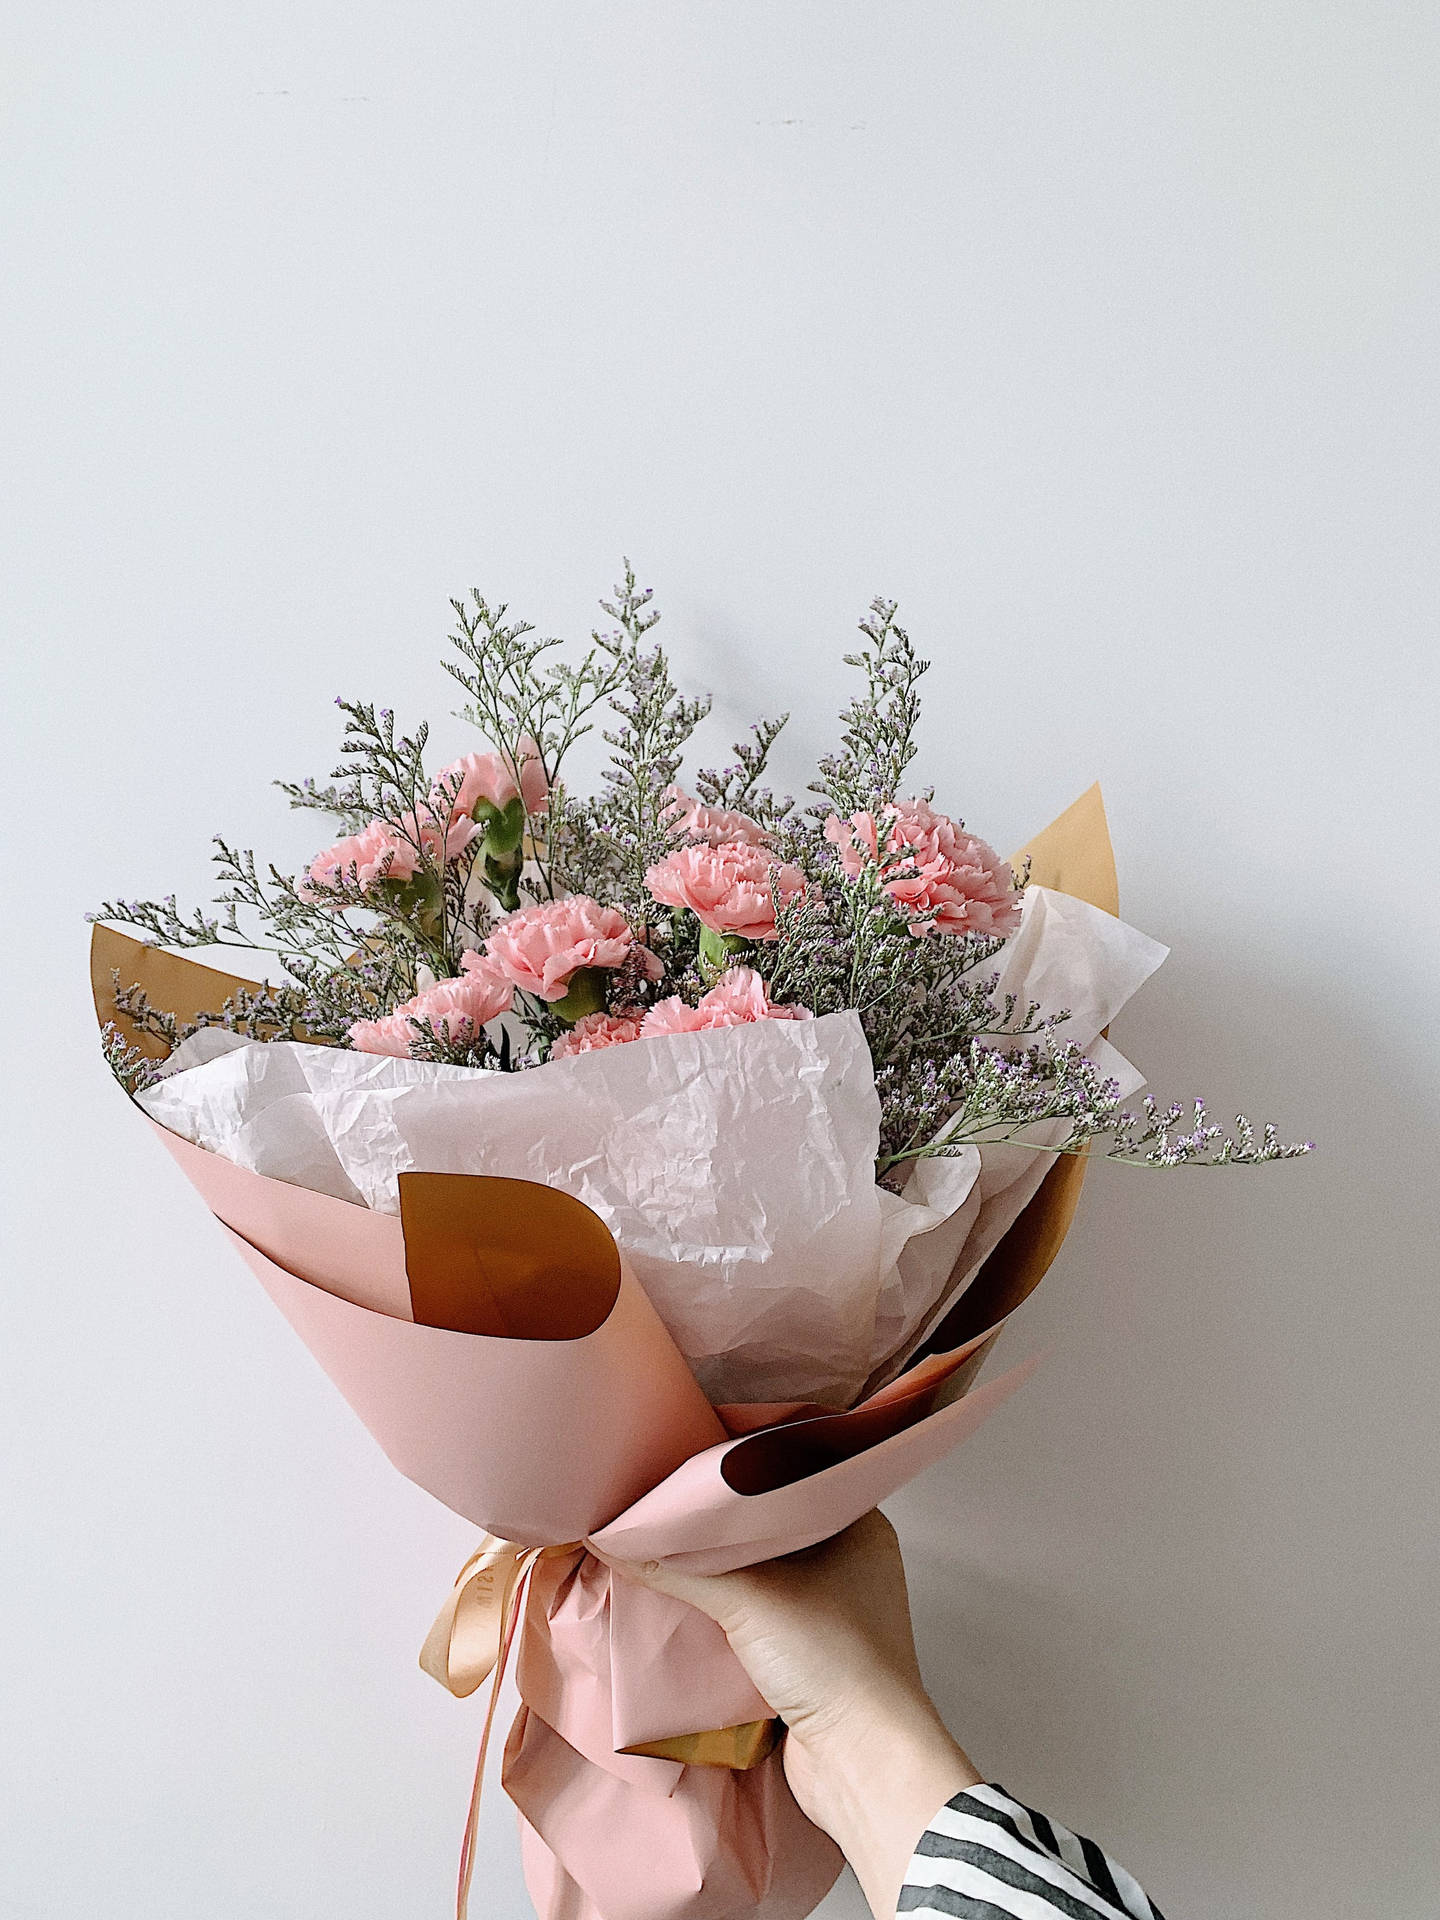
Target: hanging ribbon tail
{"points": [[470, 1641]]}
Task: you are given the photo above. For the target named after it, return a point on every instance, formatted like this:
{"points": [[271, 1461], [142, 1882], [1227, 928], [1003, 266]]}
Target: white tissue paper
{"points": [[735, 1167]]}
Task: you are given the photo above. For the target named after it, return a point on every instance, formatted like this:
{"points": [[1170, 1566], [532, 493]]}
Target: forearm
{"points": [[875, 1779]]}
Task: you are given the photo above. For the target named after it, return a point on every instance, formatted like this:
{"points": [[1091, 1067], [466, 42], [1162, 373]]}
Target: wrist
{"points": [[873, 1776]]}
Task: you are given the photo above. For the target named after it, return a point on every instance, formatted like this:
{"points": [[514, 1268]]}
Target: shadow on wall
{"points": [[1187, 1563]]}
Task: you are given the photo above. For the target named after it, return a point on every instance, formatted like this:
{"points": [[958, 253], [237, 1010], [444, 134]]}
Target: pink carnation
{"points": [[391, 1034], [966, 883], [540, 948], [595, 1031], [730, 889], [737, 999], [452, 1009], [366, 853], [489, 776], [716, 826]]}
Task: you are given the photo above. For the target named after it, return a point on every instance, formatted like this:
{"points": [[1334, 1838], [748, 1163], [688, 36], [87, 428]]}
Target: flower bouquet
{"points": [[652, 1168]]}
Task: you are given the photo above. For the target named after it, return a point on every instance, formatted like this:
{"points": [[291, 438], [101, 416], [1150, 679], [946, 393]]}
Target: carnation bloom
{"points": [[489, 777], [366, 853], [958, 882], [540, 948], [716, 826], [595, 1031], [452, 1009], [731, 889], [391, 1034], [737, 999]]}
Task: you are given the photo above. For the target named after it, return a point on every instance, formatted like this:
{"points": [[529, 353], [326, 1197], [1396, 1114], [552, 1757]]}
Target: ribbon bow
{"points": [[471, 1640]]}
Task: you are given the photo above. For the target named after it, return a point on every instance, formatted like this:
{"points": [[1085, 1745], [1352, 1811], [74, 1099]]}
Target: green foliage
{"points": [[878, 742], [611, 841]]}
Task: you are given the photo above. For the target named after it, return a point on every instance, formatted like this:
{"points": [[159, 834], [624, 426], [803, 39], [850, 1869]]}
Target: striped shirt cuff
{"points": [[985, 1856]]}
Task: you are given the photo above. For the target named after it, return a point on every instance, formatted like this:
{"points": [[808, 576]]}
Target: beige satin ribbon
{"points": [[471, 1641], [463, 1647]]}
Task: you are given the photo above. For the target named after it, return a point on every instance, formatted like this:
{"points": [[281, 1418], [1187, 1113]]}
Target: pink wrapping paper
{"points": [[604, 1664], [721, 1845]]}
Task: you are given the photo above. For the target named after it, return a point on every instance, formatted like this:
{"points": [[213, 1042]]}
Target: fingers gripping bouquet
{"points": [[652, 1169]]}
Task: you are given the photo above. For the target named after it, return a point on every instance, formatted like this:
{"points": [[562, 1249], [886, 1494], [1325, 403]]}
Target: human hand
{"points": [[825, 1636]]}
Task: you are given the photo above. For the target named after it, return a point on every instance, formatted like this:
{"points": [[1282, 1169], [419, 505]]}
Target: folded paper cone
{"points": [[476, 1415]]}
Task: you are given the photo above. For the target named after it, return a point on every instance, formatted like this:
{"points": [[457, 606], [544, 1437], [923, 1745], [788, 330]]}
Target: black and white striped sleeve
{"points": [[986, 1857]]}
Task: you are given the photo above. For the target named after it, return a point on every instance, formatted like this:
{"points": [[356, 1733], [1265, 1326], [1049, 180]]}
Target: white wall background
{"points": [[1100, 334]]}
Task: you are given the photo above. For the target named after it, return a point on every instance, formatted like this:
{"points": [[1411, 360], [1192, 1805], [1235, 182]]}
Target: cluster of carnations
{"points": [[575, 956], [490, 917]]}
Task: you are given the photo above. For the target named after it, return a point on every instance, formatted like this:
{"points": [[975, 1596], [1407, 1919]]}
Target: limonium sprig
{"points": [[134, 1069], [1001, 1096], [486, 915], [878, 742]]}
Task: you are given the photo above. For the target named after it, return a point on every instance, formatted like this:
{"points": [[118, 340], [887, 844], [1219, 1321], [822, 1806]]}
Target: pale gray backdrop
{"points": [[1103, 337]]}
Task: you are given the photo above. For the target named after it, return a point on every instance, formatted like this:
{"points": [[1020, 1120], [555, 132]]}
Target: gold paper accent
{"points": [[739, 1748], [1073, 854], [175, 984], [511, 1259]]}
